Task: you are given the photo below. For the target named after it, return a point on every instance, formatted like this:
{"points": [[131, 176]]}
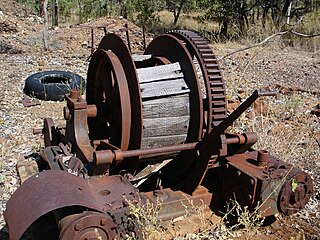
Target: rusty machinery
{"points": [[151, 126]]}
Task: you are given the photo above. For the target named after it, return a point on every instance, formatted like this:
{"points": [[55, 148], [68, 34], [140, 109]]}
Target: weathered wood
{"points": [[140, 57], [151, 74], [165, 126], [165, 105], [174, 106], [163, 141], [163, 88]]}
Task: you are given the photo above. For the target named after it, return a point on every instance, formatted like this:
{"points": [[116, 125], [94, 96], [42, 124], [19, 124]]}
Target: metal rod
{"points": [[144, 37], [241, 109], [92, 41], [127, 34], [159, 150], [107, 156]]}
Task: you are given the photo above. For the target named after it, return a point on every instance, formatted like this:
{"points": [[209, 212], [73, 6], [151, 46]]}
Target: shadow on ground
{"points": [[4, 235]]}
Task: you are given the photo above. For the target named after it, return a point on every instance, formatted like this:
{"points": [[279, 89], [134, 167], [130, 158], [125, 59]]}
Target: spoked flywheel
{"points": [[108, 89]]}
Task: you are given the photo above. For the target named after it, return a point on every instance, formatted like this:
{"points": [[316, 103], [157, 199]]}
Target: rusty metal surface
{"points": [[51, 190], [28, 102], [108, 86], [49, 134], [114, 43], [88, 225], [295, 192], [276, 185], [215, 102], [76, 127], [103, 136], [211, 144], [174, 203]]}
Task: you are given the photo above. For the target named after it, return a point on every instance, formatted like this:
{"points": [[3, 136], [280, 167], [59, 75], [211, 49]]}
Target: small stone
{"points": [[41, 63]]}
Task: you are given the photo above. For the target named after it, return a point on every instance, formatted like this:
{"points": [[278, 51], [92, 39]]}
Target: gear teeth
{"points": [[215, 87]]}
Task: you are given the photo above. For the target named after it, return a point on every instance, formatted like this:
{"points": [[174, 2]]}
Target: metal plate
{"points": [[51, 190]]}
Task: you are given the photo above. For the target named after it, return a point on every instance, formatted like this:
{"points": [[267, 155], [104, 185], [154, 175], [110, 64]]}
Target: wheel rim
{"points": [[107, 88]]}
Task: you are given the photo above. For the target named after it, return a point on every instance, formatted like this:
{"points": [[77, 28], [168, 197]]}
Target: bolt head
{"points": [[66, 113], [78, 227], [103, 222]]}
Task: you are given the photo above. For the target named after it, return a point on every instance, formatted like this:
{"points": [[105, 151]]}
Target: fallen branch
{"points": [[296, 89], [268, 39], [305, 35]]}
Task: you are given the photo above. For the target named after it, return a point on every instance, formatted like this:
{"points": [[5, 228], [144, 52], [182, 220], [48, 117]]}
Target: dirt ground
{"points": [[295, 74]]}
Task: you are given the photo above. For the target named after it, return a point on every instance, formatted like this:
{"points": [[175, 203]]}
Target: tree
{"points": [[177, 6], [45, 28], [227, 12], [147, 12]]}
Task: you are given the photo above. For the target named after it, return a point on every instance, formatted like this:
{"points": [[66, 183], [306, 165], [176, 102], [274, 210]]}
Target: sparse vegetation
{"points": [[145, 216], [240, 19], [284, 125]]}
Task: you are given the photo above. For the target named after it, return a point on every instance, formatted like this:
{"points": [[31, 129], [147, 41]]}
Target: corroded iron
{"points": [[92, 166]]}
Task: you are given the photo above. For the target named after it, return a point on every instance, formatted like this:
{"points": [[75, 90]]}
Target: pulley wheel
{"points": [[107, 88], [295, 193], [169, 47], [113, 43], [172, 48]]}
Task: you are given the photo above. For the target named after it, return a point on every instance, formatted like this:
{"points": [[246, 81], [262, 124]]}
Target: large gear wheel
{"points": [[215, 102]]}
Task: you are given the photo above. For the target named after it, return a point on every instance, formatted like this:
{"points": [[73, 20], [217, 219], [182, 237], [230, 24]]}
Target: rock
{"points": [[41, 63]]}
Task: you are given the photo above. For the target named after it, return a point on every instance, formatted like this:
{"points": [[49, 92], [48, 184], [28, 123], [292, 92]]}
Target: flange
{"points": [[87, 225], [171, 48], [107, 88]]}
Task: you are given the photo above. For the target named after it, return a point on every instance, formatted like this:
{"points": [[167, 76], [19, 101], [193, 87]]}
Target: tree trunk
{"points": [[80, 11], [54, 13], [178, 11], [40, 5], [264, 17], [224, 27], [289, 13], [45, 23]]}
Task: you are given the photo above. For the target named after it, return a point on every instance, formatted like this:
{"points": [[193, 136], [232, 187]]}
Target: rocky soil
{"points": [[296, 74]]}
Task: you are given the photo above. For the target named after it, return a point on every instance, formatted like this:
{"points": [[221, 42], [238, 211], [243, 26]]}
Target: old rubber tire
{"points": [[52, 85]]}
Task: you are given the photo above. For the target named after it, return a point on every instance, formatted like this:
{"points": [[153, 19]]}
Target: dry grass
{"points": [[188, 21], [145, 218], [284, 129], [255, 32]]}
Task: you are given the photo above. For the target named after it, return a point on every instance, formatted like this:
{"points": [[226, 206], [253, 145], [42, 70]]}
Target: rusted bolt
{"points": [[251, 181], [92, 110], [263, 158], [103, 157], [78, 227], [103, 222], [74, 93], [37, 131], [66, 113]]}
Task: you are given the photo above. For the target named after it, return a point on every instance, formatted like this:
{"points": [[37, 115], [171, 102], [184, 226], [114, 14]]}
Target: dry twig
{"points": [[268, 39]]}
